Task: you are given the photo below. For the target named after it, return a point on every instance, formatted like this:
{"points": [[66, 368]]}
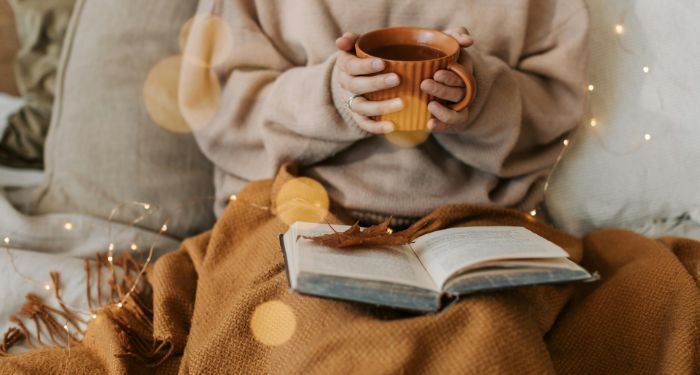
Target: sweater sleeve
{"points": [[276, 105], [523, 111]]}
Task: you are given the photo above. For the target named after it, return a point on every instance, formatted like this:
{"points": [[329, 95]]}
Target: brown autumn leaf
{"points": [[376, 235]]}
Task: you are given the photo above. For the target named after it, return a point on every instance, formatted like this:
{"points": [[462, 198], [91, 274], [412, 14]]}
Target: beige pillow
{"points": [[103, 149]]}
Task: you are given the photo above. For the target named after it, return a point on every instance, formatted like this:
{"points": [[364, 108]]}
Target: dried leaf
{"points": [[376, 235]]}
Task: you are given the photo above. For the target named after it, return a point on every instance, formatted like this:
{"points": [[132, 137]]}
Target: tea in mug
{"points": [[406, 52]]}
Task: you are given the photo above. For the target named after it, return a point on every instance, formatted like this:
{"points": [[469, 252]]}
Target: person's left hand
{"points": [[448, 86]]}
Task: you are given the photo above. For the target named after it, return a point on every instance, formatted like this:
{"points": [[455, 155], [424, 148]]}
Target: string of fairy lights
{"points": [[618, 31], [149, 208]]}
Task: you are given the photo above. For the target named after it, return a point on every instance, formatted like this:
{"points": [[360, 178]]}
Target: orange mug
{"points": [[414, 54]]}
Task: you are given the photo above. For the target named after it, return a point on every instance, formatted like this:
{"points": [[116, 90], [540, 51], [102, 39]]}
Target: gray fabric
{"points": [[41, 26], [102, 149], [686, 224]]}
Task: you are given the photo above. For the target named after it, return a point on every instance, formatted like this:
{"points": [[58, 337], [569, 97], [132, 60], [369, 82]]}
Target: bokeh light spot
{"points": [[199, 94], [206, 40], [160, 95], [302, 199], [273, 323], [407, 139], [414, 112]]}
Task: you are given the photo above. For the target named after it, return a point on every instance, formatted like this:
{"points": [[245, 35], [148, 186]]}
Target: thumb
{"points": [[346, 42]]}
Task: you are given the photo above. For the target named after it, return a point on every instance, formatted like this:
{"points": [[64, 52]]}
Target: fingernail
{"points": [[378, 64], [388, 128], [392, 79], [397, 104], [431, 125]]}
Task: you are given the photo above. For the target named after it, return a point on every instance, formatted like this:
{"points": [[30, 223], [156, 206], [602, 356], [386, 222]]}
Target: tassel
{"points": [[12, 336]]}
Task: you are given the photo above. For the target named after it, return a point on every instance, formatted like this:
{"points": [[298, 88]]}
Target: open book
{"points": [[436, 268]]}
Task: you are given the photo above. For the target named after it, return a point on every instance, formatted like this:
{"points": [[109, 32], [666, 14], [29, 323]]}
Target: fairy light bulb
{"points": [[594, 122], [164, 228], [566, 142], [591, 87], [533, 213], [94, 316], [134, 247], [65, 326], [647, 137], [47, 286], [111, 247], [120, 305], [6, 240], [645, 69], [619, 29], [389, 230], [110, 259], [68, 225], [233, 197], [146, 206]]}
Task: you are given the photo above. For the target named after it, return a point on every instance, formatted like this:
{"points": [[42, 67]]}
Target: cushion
{"points": [[8, 49], [103, 150], [634, 160], [41, 26]]}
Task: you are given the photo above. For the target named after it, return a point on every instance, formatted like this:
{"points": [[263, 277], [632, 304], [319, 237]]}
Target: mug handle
{"points": [[468, 79]]}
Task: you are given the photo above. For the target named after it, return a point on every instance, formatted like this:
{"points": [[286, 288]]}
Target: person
{"points": [[291, 72]]}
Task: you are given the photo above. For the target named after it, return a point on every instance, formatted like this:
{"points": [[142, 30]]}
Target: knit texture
{"points": [[641, 317], [279, 104]]}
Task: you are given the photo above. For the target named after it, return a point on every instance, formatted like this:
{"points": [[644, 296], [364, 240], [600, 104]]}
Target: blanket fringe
{"points": [[46, 319], [150, 353], [136, 312], [12, 336]]}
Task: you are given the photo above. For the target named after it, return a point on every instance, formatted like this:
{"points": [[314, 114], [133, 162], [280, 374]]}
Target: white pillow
{"points": [[639, 164]]}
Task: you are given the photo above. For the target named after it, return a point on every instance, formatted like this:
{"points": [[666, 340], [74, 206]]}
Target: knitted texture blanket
{"points": [[221, 304]]}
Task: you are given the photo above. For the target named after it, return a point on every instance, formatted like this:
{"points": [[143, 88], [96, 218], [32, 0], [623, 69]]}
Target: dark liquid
{"points": [[406, 52]]}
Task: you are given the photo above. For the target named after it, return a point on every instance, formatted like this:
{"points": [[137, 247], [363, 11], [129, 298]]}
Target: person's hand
{"points": [[448, 86], [349, 76]]}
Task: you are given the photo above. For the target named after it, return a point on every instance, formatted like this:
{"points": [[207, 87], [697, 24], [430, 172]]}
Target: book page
{"points": [[390, 264], [446, 252]]}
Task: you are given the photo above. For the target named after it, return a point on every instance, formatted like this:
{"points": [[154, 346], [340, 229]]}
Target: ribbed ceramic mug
{"points": [[403, 50]]}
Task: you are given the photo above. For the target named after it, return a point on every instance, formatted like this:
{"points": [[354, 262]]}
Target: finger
{"points": [[458, 30], [356, 66], [346, 42], [435, 125], [374, 127], [448, 78], [449, 93], [462, 35], [446, 115], [364, 85], [366, 107]]}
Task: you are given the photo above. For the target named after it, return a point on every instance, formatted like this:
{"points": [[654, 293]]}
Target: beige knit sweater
{"points": [[278, 104]]}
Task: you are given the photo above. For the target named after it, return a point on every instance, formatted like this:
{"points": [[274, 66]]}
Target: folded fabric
{"points": [[8, 49], [221, 304], [41, 26], [686, 224]]}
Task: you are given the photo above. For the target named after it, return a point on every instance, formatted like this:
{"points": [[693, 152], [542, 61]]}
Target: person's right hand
{"points": [[350, 77]]}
